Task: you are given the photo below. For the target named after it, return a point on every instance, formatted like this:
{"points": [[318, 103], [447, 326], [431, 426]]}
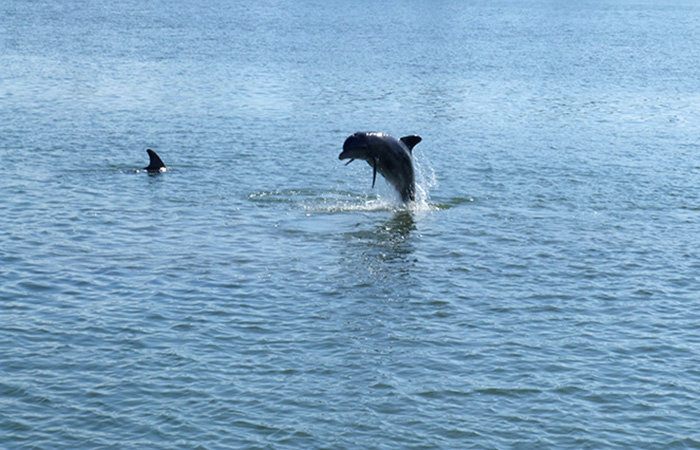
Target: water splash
{"points": [[425, 181], [337, 200], [389, 200], [379, 203]]}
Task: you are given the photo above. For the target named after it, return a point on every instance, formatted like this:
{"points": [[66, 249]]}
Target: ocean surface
{"points": [[543, 292]]}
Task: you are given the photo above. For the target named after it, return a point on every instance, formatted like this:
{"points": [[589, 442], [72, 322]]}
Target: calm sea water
{"points": [[543, 293]]}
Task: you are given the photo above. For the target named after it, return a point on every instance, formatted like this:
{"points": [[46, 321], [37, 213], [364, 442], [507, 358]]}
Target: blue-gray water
{"points": [[543, 293]]}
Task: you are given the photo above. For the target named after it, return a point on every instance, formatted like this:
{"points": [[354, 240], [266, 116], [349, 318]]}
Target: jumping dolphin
{"points": [[387, 155], [156, 164]]}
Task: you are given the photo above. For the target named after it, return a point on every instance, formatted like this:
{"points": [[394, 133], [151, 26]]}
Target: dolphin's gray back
{"points": [[395, 163]]}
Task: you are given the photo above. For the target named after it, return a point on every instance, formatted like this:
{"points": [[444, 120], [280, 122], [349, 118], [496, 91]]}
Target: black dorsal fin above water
{"points": [[156, 164], [411, 141]]}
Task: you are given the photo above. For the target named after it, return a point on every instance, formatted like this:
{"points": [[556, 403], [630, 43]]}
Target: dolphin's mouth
{"points": [[352, 153], [346, 155]]}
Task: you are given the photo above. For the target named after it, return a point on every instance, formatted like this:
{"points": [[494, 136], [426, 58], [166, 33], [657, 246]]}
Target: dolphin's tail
{"points": [[156, 164]]}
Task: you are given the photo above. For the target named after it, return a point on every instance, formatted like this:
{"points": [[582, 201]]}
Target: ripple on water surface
{"points": [[540, 294]]}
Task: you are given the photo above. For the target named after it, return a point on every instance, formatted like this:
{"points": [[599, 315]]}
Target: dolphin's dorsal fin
{"points": [[156, 163], [411, 141]]}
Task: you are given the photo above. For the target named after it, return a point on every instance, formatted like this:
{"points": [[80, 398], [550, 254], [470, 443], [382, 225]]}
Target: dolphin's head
{"points": [[357, 146]]}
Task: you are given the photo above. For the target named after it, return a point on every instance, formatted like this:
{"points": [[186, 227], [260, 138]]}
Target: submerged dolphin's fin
{"points": [[411, 141], [374, 173], [156, 164]]}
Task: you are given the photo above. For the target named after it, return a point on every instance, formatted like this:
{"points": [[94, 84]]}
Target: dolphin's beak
{"points": [[345, 154], [353, 151]]}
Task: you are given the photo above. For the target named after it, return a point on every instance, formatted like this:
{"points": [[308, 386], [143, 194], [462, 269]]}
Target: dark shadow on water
{"points": [[383, 256], [393, 236]]}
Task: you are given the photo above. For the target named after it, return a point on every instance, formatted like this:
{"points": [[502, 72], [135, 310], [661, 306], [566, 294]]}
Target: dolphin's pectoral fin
{"points": [[374, 172], [350, 161], [411, 141]]}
